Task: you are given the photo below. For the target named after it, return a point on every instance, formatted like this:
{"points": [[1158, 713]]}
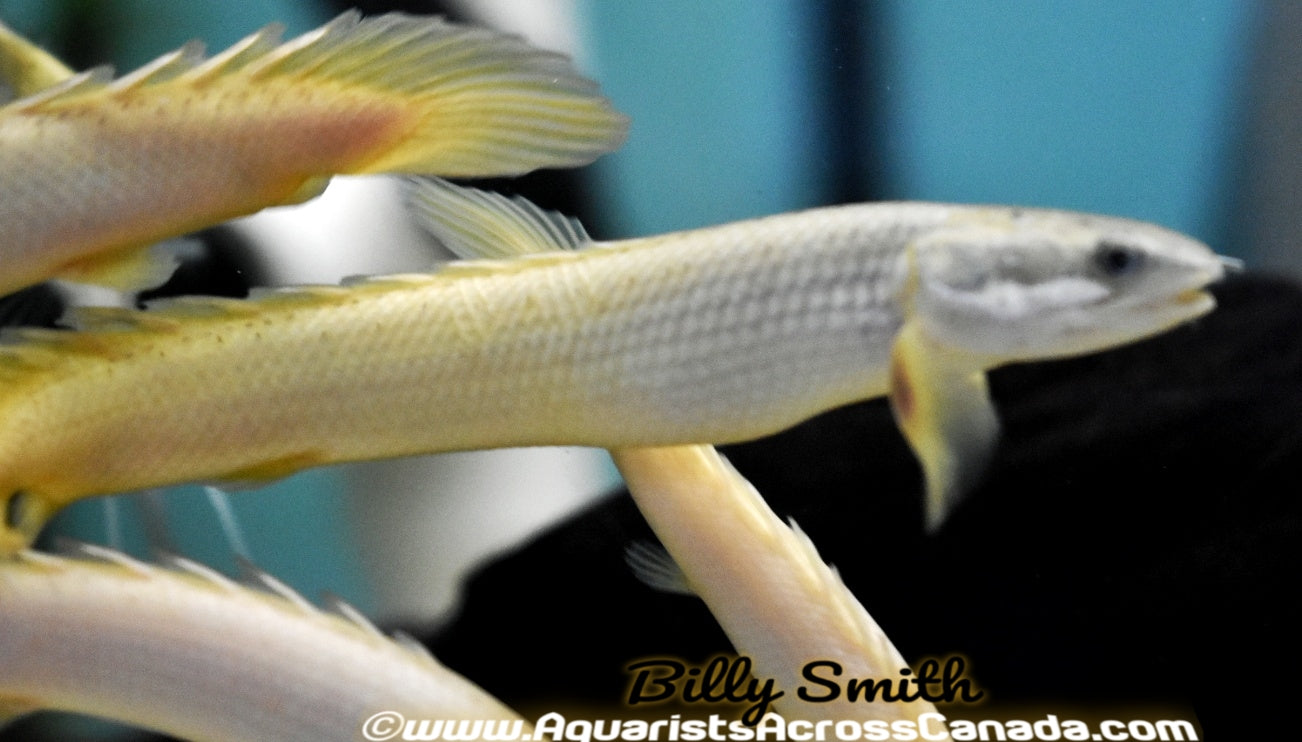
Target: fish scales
{"points": [[114, 180], [614, 346], [929, 298]]}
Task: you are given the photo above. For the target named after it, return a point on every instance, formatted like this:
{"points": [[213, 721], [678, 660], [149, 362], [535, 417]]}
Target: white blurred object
{"points": [[547, 24], [357, 227], [423, 522]]}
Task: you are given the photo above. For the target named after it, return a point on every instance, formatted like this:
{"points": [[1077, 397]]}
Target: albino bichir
{"points": [[713, 335]]}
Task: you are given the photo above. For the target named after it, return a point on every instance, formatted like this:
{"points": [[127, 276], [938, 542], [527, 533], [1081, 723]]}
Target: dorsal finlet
{"points": [[42, 559], [260, 579], [95, 552], [246, 50], [190, 567], [262, 55], [337, 606], [827, 579], [413, 645], [167, 67], [477, 224], [92, 80]]}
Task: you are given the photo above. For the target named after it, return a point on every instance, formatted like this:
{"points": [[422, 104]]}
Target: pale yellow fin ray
{"points": [[473, 102], [476, 224], [161, 70], [251, 48], [25, 68], [334, 605], [487, 103], [255, 577], [942, 405], [92, 81], [184, 565]]}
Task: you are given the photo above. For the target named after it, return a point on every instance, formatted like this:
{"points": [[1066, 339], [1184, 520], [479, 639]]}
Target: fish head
{"points": [[1028, 284]]}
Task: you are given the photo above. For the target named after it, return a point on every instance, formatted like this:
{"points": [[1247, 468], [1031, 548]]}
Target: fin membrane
{"points": [[942, 405], [477, 224]]}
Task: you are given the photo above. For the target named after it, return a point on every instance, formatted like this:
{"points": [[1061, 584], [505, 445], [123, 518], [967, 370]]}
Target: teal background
{"points": [[1102, 106], [1135, 109]]}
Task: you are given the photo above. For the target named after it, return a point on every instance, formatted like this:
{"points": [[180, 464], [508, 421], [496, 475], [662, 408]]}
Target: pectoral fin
{"points": [[942, 406]]}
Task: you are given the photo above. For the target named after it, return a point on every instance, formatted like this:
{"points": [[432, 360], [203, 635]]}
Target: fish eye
{"points": [[1116, 259]]}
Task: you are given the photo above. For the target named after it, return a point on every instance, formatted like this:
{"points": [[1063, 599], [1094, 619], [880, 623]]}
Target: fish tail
{"points": [[409, 94], [481, 103]]}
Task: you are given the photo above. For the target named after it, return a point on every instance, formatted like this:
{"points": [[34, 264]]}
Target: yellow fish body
{"points": [[95, 169], [712, 335]]}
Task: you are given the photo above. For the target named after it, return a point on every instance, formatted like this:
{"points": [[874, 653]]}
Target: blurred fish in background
{"points": [[1175, 112]]}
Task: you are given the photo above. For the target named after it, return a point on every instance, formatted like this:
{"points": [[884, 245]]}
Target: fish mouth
{"points": [[1189, 298], [1192, 296], [1188, 303]]}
